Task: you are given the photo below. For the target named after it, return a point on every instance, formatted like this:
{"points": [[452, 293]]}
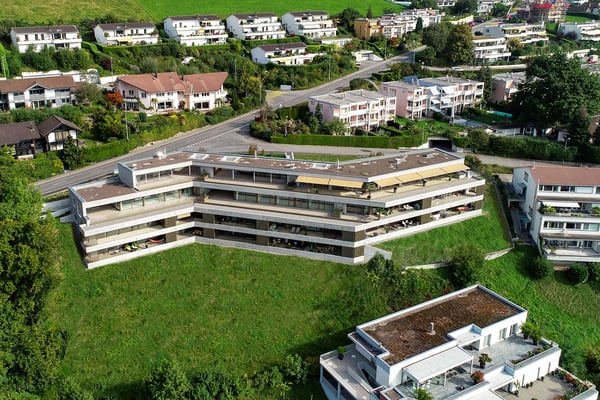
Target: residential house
{"points": [[446, 95], [523, 33], [436, 345], [55, 130], [257, 26], [489, 49], [506, 85], [126, 33], [23, 138], [363, 109], [584, 31], [50, 91], [312, 24], [283, 54], [168, 91], [560, 208], [395, 25], [484, 7], [543, 11], [196, 30], [51, 36], [328, 211]]}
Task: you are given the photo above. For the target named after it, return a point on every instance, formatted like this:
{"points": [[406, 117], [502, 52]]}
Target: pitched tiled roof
{"points": [[46, 29], [53, 122], [171, 82], [206, 17], [126, 25], [49, 82], [572, 176], [14, 133]]}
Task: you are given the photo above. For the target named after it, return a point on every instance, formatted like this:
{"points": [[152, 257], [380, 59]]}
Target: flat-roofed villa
{"points": [[436, 346], [320, 210]]}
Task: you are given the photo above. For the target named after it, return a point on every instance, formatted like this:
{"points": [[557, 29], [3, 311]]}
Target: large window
{"points": [[37, 90]]}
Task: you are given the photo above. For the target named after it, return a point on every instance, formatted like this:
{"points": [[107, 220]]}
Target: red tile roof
{"points": [[559, 175], [171, 82], [49, 82]]}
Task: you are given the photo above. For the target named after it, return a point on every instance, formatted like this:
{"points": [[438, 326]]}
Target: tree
{"points": [[347, 17], [295, 368], [579, 132], [499, 10], [541, 268], [168, 382], [555, 89], [467, 259], [485, 75], [424, 4], [115, 98], [335, 128], [460, 45], [436, 36], [72, 155], [465, 7], [478, 140], [369, 12], [419, 25], [89, 93]]}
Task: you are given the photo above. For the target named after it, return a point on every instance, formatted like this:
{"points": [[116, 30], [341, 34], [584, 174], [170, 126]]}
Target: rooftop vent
{"points": [[431, 329]]}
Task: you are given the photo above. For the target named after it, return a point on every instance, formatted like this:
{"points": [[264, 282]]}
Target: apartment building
{"points": [[488, 49], [167, 91], [196, 30], [257, 26], [312, 24], [282, 54], [49, 91], [543, 11], [416, 97], [319, 210], [484, 7], [435, 346], [560, 208], [585, 31], [506, 85], [126, 33], [524, 33], [395, 25], [363, 109], [51, 36]]}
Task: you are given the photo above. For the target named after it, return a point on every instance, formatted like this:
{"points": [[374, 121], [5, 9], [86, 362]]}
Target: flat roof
{"points": [[407, 333], [351, 97]]}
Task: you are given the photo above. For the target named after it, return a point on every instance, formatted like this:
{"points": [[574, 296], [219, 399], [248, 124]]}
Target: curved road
{"points": [[199, 138]]}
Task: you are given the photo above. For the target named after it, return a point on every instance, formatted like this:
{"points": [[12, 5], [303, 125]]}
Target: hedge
{"points": [[584, 15], [349, 141]]}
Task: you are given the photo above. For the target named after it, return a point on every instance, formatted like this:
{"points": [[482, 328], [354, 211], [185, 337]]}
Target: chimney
{"points": [[431, 329]]}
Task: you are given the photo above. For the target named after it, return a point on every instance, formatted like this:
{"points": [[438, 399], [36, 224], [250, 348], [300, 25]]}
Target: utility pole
{"points": [[329, 74]]}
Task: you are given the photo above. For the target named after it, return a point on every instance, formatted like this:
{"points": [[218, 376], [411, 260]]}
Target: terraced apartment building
{"points": [[327, 211]]}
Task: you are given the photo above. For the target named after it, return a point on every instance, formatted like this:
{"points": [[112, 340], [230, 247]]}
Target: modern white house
{"points": [[168, 91], [524, 33], [257, 26], [196, 30], [51, 36], [490, 49], [416, 98], [283, 54], [126, 33], [312, 24], [48, 91], [560, 208], [436, 345], [330, 211], [363, 109], [585, 31]]}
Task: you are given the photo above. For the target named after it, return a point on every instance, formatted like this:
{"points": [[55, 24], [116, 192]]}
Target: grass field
{"points": [[575, 18], [73, 11], [486, 231]]}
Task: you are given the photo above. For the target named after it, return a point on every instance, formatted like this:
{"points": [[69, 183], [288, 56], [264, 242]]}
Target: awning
{"points": [[345, 183], [313, 179], [388, 182], [124, 39], [409, 177], [431, 172], [438, 364], [455, 168], [561, 204]]}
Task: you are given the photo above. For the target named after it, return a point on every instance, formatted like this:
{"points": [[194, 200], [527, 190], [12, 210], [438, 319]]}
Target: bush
{"points": [[295, 368], [168, 382], [541, 268], [467, 260], [594, 270], [578, 273]]}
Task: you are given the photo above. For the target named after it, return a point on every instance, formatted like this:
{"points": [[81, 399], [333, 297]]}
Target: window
{"points": [[131, 92], [144, 95], [205, 94], [526, 177], [37, 90], [160, 94]]}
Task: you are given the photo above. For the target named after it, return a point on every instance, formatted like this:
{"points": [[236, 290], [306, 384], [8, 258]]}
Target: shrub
{"points": [[578, 273], [168, 382], [527, 328], [594, 270], [467, 259], [295, 368], [541, 268], [478, 376]]}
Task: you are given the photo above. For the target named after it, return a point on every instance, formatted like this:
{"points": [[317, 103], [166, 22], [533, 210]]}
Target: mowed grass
{"points": [[576, 18], [73, 11], [487, 231], [208, 307]]}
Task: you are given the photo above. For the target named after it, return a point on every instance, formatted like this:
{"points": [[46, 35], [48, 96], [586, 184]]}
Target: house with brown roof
{"points": [[560, 209], [49, 91], [50, 36], [256, 26], [126, 33], [168, 91], [55, 131], [23, 138]]}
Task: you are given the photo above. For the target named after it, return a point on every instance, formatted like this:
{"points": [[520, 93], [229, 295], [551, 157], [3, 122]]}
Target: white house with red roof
{"points": [[50, 36], [168, 91], [196, 30], [560, 208]]}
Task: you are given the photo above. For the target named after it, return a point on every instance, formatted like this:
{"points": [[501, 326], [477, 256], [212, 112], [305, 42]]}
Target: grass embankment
{"points": [[487, 231]]}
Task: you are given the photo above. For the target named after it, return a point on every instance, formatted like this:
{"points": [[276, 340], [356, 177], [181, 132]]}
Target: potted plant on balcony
{"points": [[341, 350], [478, 376], [536, 335], [484, 358], [526, 329]]}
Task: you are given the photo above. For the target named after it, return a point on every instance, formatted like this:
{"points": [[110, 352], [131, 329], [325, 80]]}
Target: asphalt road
{"points": [[213, 137]]}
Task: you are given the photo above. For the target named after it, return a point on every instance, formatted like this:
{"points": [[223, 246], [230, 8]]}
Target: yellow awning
{"points": [[455, 168], [345, 183], [312, 179], [431, 172], [388, 181], [124, 39], [408, 177]]}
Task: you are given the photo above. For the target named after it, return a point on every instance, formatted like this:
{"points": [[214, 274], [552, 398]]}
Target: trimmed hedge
{"points": [[349, 141], [584, 15]]}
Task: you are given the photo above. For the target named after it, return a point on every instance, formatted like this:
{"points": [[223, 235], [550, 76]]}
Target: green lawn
{"points": [[486, 231], [575, 18], [73, 11]]}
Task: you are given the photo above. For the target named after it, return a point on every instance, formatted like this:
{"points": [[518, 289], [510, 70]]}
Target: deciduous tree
{"points": [[460, 45]]}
